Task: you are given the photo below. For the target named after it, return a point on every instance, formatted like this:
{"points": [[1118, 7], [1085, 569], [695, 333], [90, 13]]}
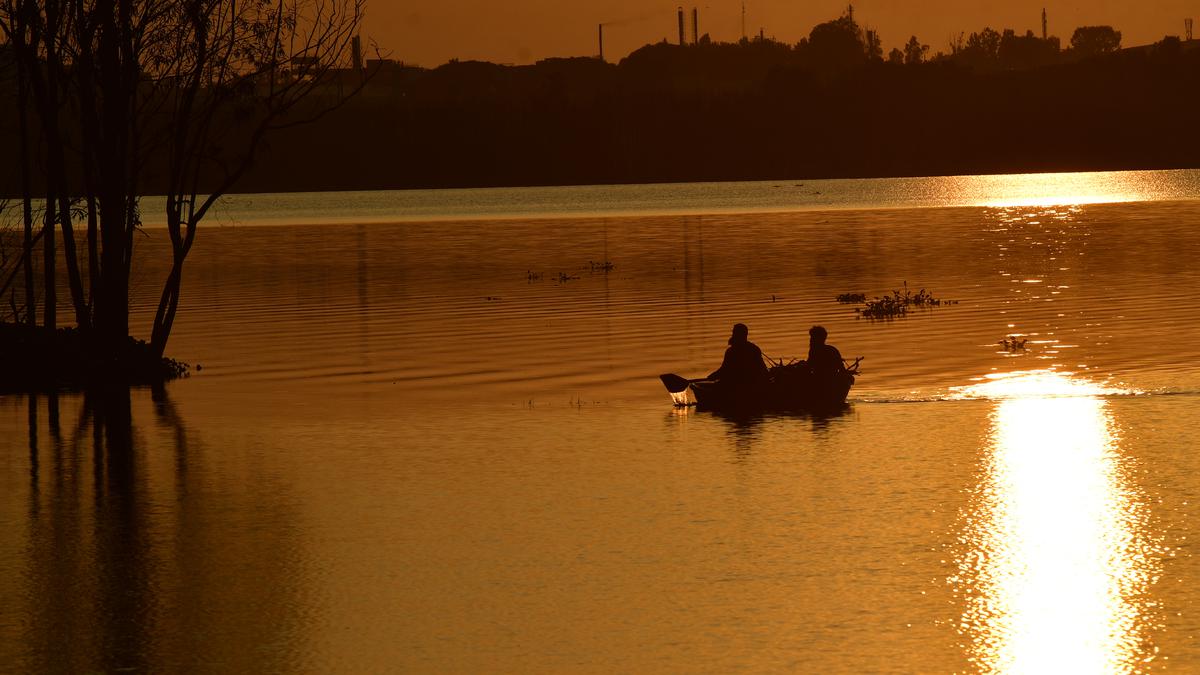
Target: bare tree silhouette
{"points": [[121, 88]]}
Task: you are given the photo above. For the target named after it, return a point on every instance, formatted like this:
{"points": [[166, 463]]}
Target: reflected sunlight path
{"points": [[1056, 560]]}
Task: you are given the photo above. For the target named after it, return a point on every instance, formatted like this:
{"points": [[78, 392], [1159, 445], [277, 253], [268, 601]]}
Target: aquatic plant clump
{"points": [[593, 267], [894, 305], [1013, 343]]}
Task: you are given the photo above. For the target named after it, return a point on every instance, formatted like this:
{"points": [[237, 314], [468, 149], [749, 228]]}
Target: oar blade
{"points": [[674, 383]]}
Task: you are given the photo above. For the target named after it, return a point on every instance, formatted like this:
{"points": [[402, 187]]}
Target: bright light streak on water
{"points": [[1043, 190], [1056, 560], [1036, 384], [389, 206]]}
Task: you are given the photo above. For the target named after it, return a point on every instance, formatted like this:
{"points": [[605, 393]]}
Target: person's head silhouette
{"points": [[740, 333], [817, 335]]}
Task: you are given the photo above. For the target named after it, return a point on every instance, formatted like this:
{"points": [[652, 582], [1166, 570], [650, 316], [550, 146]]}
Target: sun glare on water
{"points": [[1062, 199], [1057, 189], [1054, 560], [1036, 384]]}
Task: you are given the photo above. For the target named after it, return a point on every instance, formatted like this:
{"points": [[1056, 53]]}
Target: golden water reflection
{"points": [[1057, 560], [1053, 189]]}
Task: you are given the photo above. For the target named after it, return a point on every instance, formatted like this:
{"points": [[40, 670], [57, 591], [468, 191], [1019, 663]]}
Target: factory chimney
{"points": [[695, 26], [356, 55], [1187, 29], [680, 25], [601, 42], [1044, 32]]}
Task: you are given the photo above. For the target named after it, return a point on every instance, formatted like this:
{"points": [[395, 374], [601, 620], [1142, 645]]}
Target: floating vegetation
{"points": [[894, 305], [493, 298], [1012, 344], [593, 266], [851, 298]]}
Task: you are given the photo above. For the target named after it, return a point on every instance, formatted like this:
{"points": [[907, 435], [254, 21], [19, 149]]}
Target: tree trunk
{"points": [[111, 160], [112, 305], [57, 174], [71, 258], [26, 199], [164, 318], [93, 243], [50, 305], [52, 101]]}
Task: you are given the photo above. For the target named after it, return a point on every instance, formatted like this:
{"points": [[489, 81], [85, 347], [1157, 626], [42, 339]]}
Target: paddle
{"points": [[676, 384]]}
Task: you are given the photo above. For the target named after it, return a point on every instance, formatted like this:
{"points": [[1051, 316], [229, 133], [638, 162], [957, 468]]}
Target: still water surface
{"points": [[440, 445]]}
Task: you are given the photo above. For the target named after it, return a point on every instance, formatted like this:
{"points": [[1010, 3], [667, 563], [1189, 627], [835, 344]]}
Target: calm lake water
{"points": [[428, 435]]}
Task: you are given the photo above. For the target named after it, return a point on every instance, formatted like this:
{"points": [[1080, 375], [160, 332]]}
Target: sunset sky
{"points": [[523, 31]]}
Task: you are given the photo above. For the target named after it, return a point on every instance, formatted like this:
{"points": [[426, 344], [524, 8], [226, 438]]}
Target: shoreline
{"points": [[33, 359]]}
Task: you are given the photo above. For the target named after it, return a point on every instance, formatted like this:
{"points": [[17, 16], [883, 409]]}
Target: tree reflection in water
{"points": [[132, 562]]}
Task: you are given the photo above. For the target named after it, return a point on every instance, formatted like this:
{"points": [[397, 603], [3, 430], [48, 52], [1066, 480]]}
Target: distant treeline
{"points": [[833, 105]]}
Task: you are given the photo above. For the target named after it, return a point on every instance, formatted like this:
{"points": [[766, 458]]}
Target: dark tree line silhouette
{"points": [[831, 105]]}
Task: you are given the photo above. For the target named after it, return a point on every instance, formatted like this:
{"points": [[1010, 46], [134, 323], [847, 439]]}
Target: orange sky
{"points": [[523, 31]]}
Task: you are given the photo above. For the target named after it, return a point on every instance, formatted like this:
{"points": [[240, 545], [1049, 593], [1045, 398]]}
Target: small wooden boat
{"points": [[791, 387]]}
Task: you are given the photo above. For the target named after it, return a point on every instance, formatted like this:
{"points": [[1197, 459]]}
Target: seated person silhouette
{"points": [[824, 360], [743, 365]]}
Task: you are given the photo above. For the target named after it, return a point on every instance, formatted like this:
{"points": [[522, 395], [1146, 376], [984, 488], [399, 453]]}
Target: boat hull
{"points": [[792, 392]]}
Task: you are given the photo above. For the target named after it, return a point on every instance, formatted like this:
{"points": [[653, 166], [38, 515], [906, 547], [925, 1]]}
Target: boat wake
{"points": [[1033, 384]]}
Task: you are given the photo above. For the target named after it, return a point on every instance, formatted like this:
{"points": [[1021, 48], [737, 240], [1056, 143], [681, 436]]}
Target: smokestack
{"points": [[601, 42], [681, 25], [356, 55], [695, 26], [1044, 36]]}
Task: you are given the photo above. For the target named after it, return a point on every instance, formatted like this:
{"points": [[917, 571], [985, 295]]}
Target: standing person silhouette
{"points": [[743, 364]]}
